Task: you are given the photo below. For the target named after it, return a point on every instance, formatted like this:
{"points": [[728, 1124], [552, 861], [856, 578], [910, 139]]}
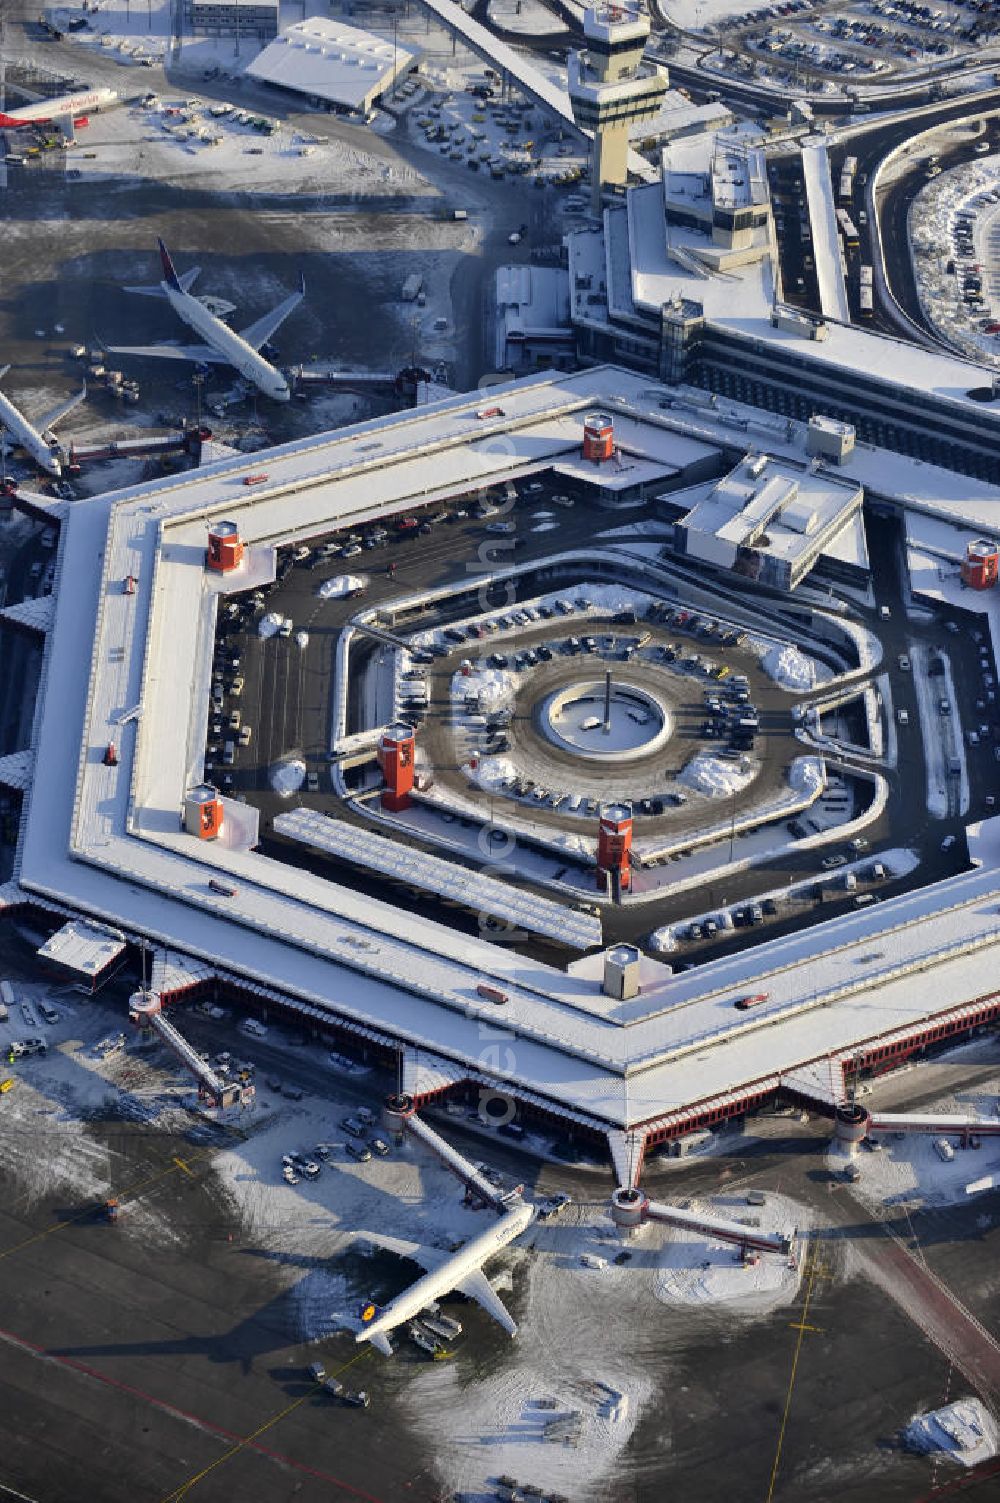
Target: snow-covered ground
{"points": [[529, 17], [696, 15], [43, 1148], [698, 1271], [908, 1171], [569, 1351], [494, 688], [270, 625], [947, 791]]}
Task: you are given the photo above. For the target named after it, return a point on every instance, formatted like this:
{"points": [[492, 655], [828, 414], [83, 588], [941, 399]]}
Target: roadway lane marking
{"points": [[172, 1411], [122, 1195], [268, 1424], [802, 1327]]}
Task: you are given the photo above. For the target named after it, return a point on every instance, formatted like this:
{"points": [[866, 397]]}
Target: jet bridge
{"points": [[399, 1116], [630, 1209], [145, 1009]]}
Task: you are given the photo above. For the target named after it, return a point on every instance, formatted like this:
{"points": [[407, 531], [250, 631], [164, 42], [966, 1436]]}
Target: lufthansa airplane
{"points": [[462, 1271]]}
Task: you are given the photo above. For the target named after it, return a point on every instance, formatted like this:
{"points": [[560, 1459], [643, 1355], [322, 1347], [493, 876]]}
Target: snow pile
{"points": [[287, 777], [965, 1431], [490, 770], [715, 777], [493, 686], [662, 941], [789, 667], [808, 775], [342, 584], [271, 624]]}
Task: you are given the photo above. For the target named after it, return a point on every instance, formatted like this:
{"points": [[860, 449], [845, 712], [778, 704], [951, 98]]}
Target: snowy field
{"points": [[570, 1356], [696, 15], [216, 146], [525, 17]]}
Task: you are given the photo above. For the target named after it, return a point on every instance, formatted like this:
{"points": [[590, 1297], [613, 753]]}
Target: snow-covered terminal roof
{"points": [[105, 841]]}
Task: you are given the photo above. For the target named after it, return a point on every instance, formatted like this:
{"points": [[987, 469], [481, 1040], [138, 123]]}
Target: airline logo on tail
{"points": [[169, 275], [369, 1313]]}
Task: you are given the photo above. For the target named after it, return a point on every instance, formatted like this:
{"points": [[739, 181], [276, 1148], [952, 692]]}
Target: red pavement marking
{"points": [[176, 1412]]}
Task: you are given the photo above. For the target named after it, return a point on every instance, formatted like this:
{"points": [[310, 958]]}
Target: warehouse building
{"points": [[331, 64]]}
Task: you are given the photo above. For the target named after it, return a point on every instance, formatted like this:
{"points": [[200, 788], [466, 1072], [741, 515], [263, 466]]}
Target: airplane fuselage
{"points": [[240, 355], [440, 1281], [65, 107], [43, 451]]}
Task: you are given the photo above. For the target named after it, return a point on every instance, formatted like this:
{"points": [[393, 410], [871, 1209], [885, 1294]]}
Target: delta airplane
{"points": [[39, 442], [67, 110], [223, 346], [462, 1271]]}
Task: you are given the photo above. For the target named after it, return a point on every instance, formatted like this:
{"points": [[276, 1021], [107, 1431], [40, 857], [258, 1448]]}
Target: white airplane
{"points": [[39, 442], [462, 1271], [65, 111], [223, 346]]}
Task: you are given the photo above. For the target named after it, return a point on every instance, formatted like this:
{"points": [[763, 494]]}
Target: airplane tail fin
{"points": [[379, 1339], [169, 275]]}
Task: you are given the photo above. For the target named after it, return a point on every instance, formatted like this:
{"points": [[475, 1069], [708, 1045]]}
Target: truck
{"points": [[492, 993], [6, 1000], [412, 287]]}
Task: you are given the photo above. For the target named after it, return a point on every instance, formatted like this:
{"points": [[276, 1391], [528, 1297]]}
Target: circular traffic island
{"points": [[604, 724]]}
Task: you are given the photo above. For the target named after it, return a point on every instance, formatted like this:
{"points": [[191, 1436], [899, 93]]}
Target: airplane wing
{"points": [[201, 354], [259, 333], [477, 1286], [186, 280], [50, 419], [429, 1258]]}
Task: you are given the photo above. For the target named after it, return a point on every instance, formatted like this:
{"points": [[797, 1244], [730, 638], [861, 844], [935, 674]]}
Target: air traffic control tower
{"points": [[610, 87]]}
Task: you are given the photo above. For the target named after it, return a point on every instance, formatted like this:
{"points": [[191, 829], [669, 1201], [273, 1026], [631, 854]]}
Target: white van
{"points": [[944, 1150], [253, 1028]]}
